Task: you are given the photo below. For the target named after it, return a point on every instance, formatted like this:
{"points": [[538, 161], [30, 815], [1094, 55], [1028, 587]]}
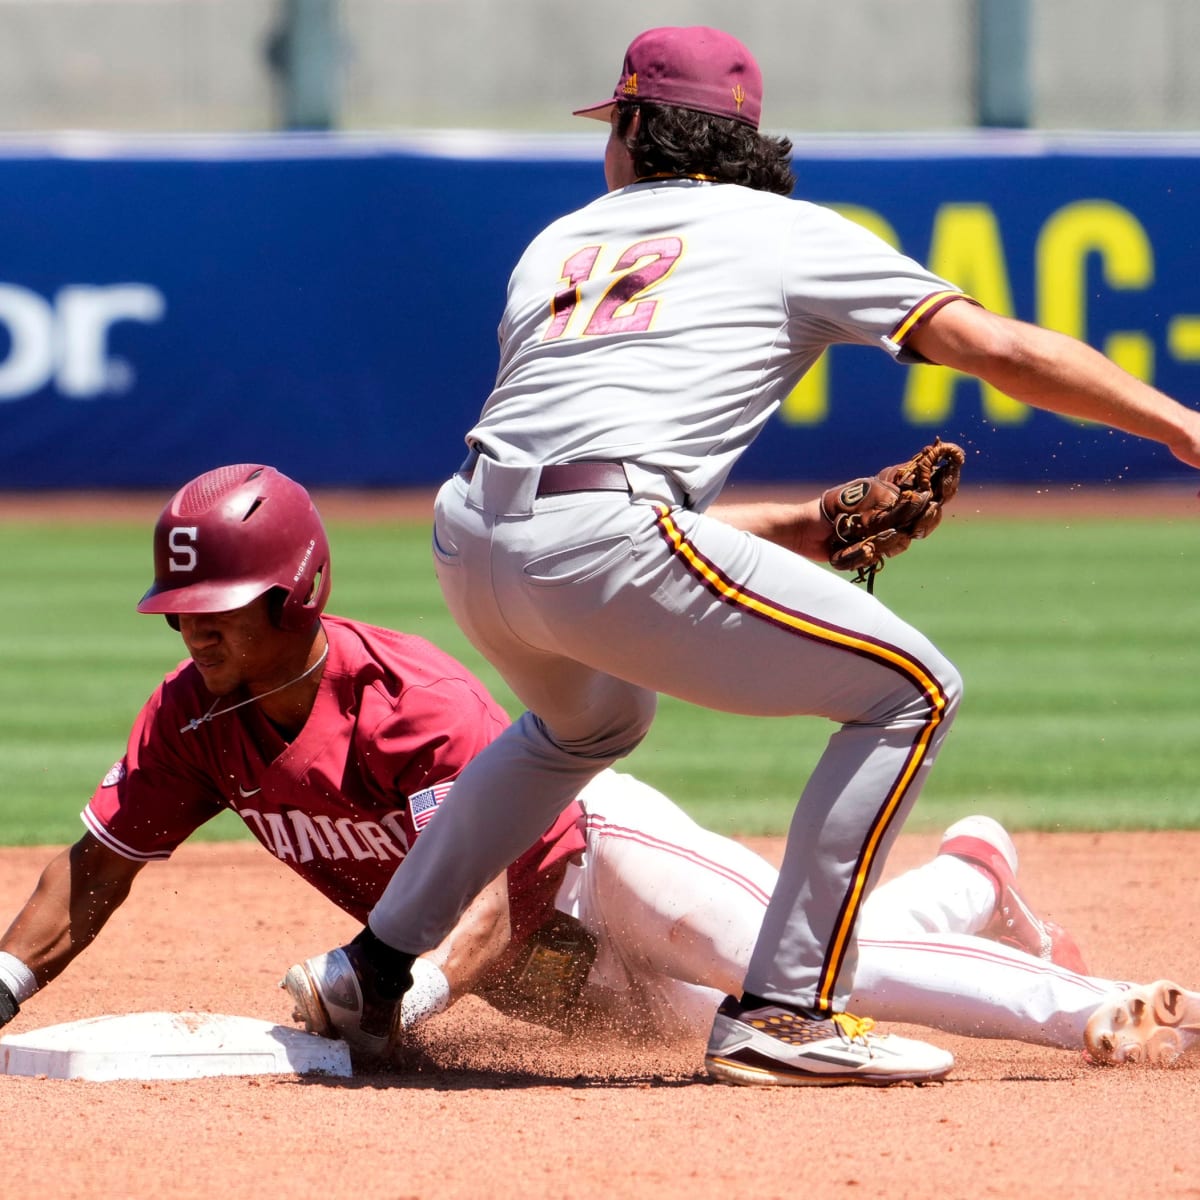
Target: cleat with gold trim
{"points": [[768, 1045]]}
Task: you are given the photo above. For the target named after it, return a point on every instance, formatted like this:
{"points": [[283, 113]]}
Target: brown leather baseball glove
{"points": [[875, 518]]}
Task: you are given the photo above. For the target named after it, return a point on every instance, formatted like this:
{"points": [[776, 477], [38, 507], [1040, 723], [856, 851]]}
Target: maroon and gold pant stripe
{"points": [[888, 656]]}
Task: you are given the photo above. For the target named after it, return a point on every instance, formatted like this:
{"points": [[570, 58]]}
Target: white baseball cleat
{"points": [[772, 1046], [1155, 1024], [328, 996]]}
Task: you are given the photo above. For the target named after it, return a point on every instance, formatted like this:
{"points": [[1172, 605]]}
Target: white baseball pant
{"points": [[676, 908]]}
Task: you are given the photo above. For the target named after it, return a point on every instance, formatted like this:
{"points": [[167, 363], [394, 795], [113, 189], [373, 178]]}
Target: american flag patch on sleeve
{"points": [[423, 804]]}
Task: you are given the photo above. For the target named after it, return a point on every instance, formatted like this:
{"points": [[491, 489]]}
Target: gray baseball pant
{"points": [[591, 603]]}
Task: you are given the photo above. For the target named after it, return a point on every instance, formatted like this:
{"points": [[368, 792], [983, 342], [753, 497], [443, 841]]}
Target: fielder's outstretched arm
{"points": [[1053, 371]]}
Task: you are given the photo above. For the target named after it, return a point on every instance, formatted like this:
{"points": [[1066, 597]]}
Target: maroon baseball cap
{"points": [[690, 67]]}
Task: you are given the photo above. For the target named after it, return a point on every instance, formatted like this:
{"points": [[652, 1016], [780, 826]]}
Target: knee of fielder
{"points": [[921, 696], [617, 732], [950, 685]]}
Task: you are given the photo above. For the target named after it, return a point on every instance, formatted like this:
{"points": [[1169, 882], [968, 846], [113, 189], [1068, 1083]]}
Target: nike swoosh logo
{"points": [[252, 792]]}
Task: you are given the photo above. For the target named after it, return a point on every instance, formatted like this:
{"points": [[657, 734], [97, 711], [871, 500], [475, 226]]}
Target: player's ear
{"points": [[633, 129]]}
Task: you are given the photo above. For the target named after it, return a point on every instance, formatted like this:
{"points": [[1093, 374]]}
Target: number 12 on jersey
{"points": [[623, 307]]}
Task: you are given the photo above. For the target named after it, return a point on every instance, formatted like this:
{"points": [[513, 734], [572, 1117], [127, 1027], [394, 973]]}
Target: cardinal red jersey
{"points": [[394, 721]]}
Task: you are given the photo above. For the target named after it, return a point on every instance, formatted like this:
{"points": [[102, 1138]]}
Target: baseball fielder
{"points": [[646, 341], [335, 742]]}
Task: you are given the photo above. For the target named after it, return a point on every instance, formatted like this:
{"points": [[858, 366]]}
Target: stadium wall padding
{"points": [[328, 304]]}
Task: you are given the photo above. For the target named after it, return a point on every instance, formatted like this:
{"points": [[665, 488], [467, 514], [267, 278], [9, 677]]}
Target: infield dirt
{"points": [[505, 1110]]}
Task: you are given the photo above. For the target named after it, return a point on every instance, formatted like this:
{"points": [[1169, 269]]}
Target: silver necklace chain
{"points": [[213, 712]]}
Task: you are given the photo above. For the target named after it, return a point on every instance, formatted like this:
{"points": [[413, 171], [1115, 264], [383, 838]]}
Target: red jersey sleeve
{"points": [[154, 797]]}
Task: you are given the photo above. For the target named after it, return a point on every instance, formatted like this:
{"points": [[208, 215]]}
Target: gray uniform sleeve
{"points": [[844, 284]]}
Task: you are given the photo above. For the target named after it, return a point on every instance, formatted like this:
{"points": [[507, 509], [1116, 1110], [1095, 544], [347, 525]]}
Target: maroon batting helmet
{"points": [[233, 534]]}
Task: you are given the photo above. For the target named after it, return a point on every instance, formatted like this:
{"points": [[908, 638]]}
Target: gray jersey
{"points": [[670, 345]]}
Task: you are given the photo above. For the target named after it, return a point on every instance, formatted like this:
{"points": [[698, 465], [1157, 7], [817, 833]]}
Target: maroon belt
{"points": [[560, 479]]}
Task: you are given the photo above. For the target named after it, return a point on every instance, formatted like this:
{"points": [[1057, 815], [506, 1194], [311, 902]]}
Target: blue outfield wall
{"points": [[329, 304]]}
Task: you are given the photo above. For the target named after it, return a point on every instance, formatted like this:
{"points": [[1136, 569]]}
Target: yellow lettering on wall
{"points": [[808, 402], [1068, 240], [1183, 338], [967, 250]]}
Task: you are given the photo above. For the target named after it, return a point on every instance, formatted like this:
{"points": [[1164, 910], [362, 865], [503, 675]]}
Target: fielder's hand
{"points": [[876, 518]]}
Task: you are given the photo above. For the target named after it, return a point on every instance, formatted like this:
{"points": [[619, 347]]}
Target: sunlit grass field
{"points": [[1078, 642]]}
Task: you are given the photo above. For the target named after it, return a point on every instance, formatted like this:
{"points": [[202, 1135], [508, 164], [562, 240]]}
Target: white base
{"points": [[161, 1045]]}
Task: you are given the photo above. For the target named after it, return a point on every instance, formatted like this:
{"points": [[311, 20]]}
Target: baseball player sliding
{"points": [[335, 742], [646, 341]]}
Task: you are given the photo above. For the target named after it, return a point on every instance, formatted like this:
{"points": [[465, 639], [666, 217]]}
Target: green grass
{"points": [[1077, 642], [1078, 647]]}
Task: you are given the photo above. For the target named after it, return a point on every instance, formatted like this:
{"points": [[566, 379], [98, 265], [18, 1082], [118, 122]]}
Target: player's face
{"points": [[239, 648], [618, 164]]}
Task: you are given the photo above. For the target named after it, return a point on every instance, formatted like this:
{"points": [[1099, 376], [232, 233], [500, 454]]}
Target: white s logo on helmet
{"points": [[182, 539]]}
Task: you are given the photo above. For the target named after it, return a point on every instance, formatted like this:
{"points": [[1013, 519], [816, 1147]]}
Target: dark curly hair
{"points": [[681, 141]]}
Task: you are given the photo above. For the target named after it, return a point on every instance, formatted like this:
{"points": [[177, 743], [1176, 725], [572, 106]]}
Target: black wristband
{"points": [[8, 1004], [392, 967]]}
